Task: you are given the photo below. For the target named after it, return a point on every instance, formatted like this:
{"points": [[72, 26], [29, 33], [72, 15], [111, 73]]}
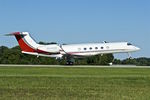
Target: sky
{"points": [[78, 21]]}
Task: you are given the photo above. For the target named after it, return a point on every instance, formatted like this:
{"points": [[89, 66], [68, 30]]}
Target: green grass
{"points": [[37, 83]]}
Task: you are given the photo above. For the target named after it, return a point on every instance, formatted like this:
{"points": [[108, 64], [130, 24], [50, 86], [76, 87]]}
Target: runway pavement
{"points": [[113, 66]]}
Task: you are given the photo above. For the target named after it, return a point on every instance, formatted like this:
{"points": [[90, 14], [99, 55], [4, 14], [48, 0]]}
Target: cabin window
{"points": [[129, 44], [96, 48], [102, 47], [84, 48], [90, 48]]}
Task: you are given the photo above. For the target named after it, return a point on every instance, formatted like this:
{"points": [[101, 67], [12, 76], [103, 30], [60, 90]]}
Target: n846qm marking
{"points": [[29, 46]]}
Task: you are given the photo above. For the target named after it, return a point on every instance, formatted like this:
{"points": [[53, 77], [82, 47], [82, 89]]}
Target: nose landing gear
{"points": [[129, 55]]}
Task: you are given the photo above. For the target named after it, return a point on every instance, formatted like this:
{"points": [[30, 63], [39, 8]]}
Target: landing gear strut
{"points": [[129, 56]]}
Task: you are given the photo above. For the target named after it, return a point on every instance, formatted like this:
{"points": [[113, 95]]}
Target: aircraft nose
{"points": [[137, 48]]}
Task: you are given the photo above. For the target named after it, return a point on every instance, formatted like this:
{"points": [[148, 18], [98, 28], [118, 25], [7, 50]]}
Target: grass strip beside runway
{"points": [[72, 83]]}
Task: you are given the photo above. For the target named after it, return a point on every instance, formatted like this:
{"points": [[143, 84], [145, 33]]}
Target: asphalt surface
{"points": [[113, 66]]}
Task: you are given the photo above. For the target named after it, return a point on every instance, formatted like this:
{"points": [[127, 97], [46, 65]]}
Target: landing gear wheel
{"points": [[69, 63]]}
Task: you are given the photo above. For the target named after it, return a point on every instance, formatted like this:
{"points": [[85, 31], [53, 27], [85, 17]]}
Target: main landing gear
{"points": [[69, 60], [69, 63]]}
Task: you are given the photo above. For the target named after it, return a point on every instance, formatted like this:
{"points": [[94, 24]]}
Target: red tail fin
{"points": [[24, 45]]}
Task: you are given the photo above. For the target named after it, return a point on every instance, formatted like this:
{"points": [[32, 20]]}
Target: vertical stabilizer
{"points": [[25, 41]]}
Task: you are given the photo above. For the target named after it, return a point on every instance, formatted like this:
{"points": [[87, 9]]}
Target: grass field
{"points": [[71, 83]]}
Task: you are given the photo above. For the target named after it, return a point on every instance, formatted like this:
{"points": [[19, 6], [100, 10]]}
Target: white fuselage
{"points": [[90, 49], [29, 46], [87, 49]]}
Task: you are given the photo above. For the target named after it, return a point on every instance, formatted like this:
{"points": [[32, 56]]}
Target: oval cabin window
{"points": [[96, 48]]}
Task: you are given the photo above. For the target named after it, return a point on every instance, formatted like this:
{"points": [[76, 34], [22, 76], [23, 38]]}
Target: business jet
{"points": [[69, 51]]}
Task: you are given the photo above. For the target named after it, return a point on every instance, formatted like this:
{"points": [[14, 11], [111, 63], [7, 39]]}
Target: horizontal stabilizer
{"points": [[15, 33]]}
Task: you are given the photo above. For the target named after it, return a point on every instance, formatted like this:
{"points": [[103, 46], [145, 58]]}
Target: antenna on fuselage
{"points": [[105, 42]]}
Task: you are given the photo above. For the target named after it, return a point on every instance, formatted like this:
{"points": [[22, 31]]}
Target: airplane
{"points": [[70, 51]]}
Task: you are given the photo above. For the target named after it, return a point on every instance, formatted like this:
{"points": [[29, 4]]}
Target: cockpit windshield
{"points": [[129, 44]]}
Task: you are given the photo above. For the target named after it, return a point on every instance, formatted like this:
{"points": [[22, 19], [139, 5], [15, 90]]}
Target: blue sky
{"points": [[78, 21]]}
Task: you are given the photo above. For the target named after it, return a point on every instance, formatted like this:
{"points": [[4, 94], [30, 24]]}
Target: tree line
{"points": [[14, 56]]}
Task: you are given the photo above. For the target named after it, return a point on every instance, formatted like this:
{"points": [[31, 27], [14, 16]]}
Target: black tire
{"points": [[69, 63]]}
